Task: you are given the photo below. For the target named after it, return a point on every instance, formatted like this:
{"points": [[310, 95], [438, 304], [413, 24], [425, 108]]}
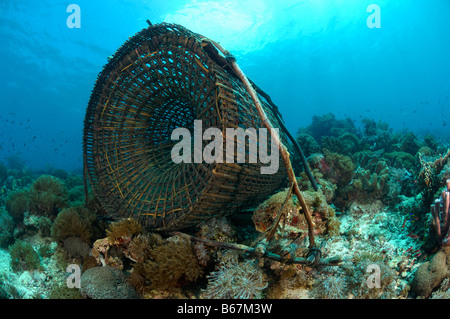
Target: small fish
{"points": [[404, 222], [413, 236]]}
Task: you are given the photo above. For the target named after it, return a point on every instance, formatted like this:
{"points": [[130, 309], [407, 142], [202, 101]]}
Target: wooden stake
{"points": [[283, 151], [333, 261]]}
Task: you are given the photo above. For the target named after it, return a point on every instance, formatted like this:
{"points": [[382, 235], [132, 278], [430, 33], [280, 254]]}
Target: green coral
{"points": [[24, 257], [3, 173], [172, 264], [76, 194], [17, 204], [401, 159], [341, 167], [308, 144], [328, 125], [324, 215], [6, 229], [64, 292], [74, 221], [346, 144], [123, 229], [162, 264], [409, 143], [48, 195], [371, 175]]}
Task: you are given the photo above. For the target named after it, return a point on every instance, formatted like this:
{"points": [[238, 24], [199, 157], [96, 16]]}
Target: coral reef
{"points": [[373, 179], [290, 282], [6, 229], [122, 231], [172, 264], [47, 196], [441, 218], [372, 209], [17, 204], [332, 287], [76, 221], [234, 279], [323, 215], [24, 257], [430, 274], [3, 173], [106, 283], [308, 143], [339, 168], [64, 292], [328, 125]]}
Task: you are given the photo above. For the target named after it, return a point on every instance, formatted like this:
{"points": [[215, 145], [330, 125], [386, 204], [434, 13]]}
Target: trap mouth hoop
{"points": [[159, 80]]}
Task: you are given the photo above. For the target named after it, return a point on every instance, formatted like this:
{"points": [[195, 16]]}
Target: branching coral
{"points": [[235, 280]]}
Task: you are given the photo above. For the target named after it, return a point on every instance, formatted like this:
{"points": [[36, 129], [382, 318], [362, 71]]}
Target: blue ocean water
{"points": [[312, 57]]}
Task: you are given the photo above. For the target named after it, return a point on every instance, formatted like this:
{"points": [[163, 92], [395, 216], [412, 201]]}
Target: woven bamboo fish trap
{"points": [[161, 79]]}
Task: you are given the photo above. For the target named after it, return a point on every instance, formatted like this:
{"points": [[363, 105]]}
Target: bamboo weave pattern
{"points": [[159, 80]]}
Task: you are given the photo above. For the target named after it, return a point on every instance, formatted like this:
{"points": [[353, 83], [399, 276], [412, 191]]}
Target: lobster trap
{"points": [[163, 78]]}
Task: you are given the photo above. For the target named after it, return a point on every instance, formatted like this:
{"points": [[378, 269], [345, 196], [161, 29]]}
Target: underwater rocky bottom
{"points": [[382, 207]]}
